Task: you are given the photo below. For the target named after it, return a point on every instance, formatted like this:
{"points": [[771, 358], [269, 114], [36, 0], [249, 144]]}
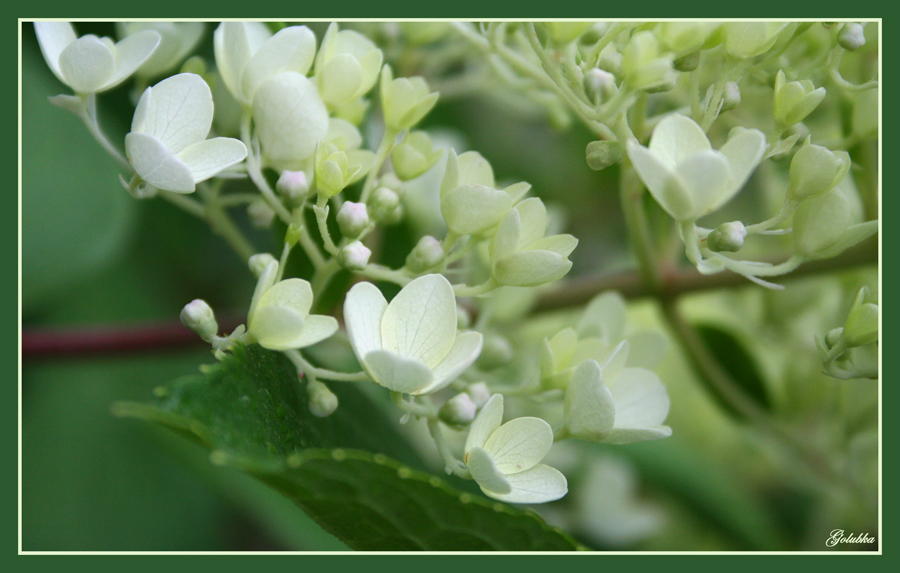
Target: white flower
{"points": [[347, 66], [630, 406], [279, 316], [685, 175], [178, 40], [90, 64], [504, 460], [410, 345], [167, 145]]}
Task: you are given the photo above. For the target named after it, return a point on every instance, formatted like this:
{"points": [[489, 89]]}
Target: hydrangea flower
{"points": [[167, 145], [178, 40], [505, 459], [410, 345], [90, 64], [685, 175], [279, 316], [347, 66]]}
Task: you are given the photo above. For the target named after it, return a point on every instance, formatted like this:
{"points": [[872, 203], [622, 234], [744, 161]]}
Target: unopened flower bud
{"points": [[795, 100], [353, 219], [259, 262], [260, 214], [322, 401], [862, 322], [354, 256], [479, 393], [611, 61], [394, 216], [687, 63], [731, 98], [833, 336], [852, 37], [427, 254], [293, 185], [199, 317], [727, 237], [458, 410], [602, 154], [599, 83], [382, 203], [495, 352], [414, 156], [816, 170]]}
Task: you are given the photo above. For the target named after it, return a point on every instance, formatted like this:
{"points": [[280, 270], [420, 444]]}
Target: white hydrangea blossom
{"points": [[167, 145], [505, 459], [90, 64], [178, 40], [410, 345]]}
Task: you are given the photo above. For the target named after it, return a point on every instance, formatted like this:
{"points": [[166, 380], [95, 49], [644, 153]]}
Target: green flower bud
{"points": [[354, 256], [748, 39], [259, 262], [566, 32], [816, 170], [862, 321], [458, 410], [795, 100], [293, 185], [420, 33], [260, 214], [727, 237], [426, 255], [852, 37], [685, 39], [347, 66], [833, 336], [335, 169], [414, 156], [354, 111], [404, 101], [495, 352], [687, 63], [611, 61], [731, 98], [382, 203], [824, 226], [394, 216], [644, 67], [199, 317], [352, 219], [599, 84], [479, 393], [602, 154], [322, 401]]}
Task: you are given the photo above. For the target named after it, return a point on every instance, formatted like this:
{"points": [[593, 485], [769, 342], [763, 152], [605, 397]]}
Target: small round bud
{"points": [[260, 214], [353, 219], [495, 352], [458, 411], [390, 181], [394, 216], [354, 256], [602, 154], [687, 63], [259, 262], [322, 401], [427, 254], [727, 237], [463, 319], [599, 83], [199, 317], [611, 61], [833, 336], [293, 185], [852, 37], [382, 203], [795, 100], [816, 170], [479, 393], [731, 98]]}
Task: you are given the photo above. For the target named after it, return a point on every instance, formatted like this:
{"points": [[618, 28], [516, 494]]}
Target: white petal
{"points": [[473, 169], [420, 322], [86, 64], [232, 49], [396, 372], [676, 138], [506, 239], [179, 111], [533, 219], [318, 327], [486, 474], [157, 165], [139, 121], [562, 245], [651, 170], [744, 150], [363, 308], [340, 79], [290, 50], [641, 399], [295, 294], [604, 318], [628, 435], [464, 352], [647, 349], [131, 53], [487, 420], [275, 327], [705, 177], [263, 283], [211, 156], [53, 38], [615, 362], [519, 444], [589, 407], [540, 484], [531, 268]]}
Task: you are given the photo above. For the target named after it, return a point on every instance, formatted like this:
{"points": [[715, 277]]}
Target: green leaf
{"points": [[740, 365], [252, 413]]}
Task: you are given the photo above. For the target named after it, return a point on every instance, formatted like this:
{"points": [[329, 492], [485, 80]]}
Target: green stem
{"points": [[382, 273], [316, 373], [89, 116], [387, 143], [321, 211], [477, 290], [188, 205], [452, 463], [222, 224]]}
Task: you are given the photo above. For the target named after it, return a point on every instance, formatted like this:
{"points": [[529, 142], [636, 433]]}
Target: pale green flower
{"points": [[347, 66], [685, 175], [645, 66], [795, 100], [749, 39], [504, 460], [410, 345], [279, 316], [414, 156], [90, 64], [404, 101], [566, 32], [816, 170], [826, 225], [167, 145], [178, 40]]}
